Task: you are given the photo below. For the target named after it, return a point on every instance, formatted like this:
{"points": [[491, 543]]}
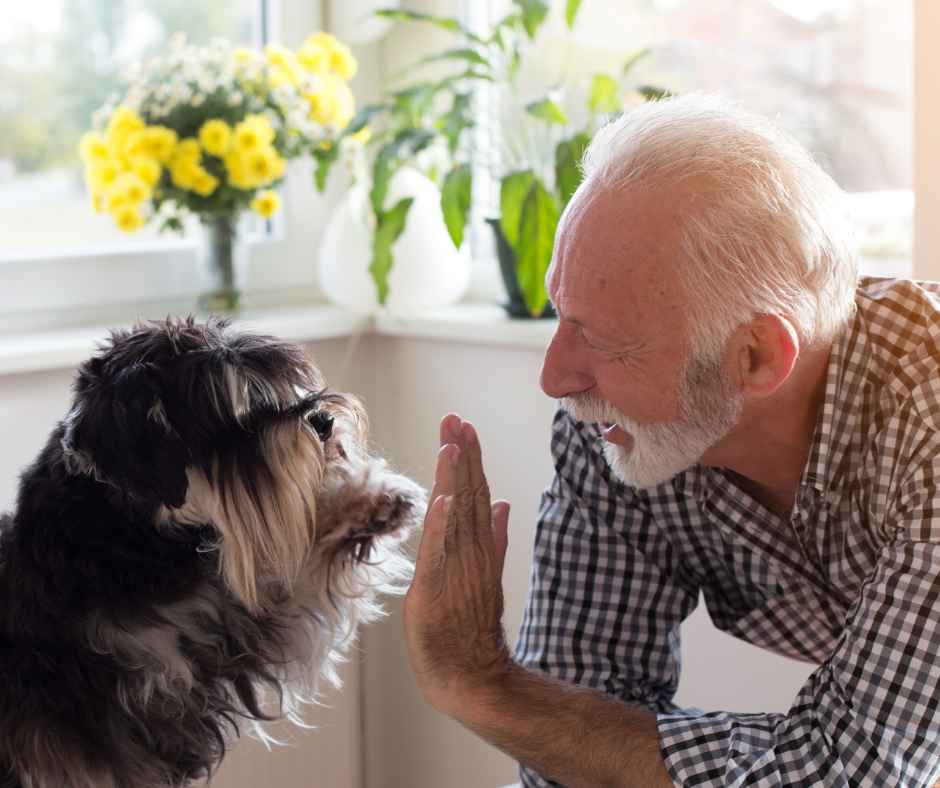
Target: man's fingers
{"points": [[482, 522], [429, 565], [500, 510]]}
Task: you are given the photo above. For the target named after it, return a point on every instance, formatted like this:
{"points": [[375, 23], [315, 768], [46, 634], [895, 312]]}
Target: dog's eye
{"points": [[322, 422]]}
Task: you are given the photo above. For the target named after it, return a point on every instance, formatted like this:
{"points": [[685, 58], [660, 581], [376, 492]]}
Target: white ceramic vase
{"points": [[427, 270]]}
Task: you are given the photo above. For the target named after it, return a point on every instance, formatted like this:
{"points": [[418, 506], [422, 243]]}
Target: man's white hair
{"points": [[766, 232]]}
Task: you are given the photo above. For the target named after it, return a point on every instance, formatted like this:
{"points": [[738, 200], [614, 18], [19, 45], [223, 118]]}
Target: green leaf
{"points": [[634, 59], [455, 201], [389, 226], [512, 194], [568, 157], [457, 120], [382, 171], [537, 227], [325, 160], [464, 53], [547, 110], [364, 116], [472, 56], [604, 94], [532, 14], [390, 157], [570, 11], [173, 223], [441, 21], [653, 94]]}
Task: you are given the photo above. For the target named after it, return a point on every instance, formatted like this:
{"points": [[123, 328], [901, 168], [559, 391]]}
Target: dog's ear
{"points": [[118, 432]]}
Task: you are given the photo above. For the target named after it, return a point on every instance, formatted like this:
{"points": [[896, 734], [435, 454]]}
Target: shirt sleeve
{"points": [[608, 591], [868, 716]]}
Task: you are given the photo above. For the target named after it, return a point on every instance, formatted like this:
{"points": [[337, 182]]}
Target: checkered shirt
{"points": [[849, 583]]}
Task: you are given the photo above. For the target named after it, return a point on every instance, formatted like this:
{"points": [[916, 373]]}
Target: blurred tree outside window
{"points": [[837, 74], [59, 62]]}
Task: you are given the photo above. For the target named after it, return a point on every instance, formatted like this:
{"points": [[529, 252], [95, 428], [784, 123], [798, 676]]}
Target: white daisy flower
{"points": [[284, 93], [308, 84]]}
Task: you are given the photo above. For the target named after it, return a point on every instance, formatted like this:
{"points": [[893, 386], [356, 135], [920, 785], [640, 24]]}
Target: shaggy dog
{"points": [[204, 528]]}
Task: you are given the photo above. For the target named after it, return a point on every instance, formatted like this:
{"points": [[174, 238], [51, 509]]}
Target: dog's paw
{"points": [[369, 502]]}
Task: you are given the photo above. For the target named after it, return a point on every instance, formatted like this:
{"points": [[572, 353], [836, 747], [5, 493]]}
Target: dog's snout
{"points": [[322, 422]]}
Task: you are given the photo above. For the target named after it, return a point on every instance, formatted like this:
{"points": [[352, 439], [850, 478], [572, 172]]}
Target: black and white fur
{"points": [[204, 527]]}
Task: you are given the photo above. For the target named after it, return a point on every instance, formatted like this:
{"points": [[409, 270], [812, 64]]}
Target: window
{"points": [[59, 62], [837, 74], [60, 263]]}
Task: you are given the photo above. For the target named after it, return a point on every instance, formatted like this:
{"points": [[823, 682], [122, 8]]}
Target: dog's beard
{"points": [[710, 406]]}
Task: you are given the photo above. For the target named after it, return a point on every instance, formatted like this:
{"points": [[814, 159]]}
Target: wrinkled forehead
{"points": [[617, 261]]}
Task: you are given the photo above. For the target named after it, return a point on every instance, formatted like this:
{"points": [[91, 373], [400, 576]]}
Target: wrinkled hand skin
{"points": [[453, 610]]}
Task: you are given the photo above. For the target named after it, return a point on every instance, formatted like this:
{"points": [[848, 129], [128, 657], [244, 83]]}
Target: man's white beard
{"points": [[710, 406]]}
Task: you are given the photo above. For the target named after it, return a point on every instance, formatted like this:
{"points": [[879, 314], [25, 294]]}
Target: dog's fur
{"points": [[193, 536]]}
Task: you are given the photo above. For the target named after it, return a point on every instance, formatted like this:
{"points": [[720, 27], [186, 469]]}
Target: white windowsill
{"points": [[477, 323]]}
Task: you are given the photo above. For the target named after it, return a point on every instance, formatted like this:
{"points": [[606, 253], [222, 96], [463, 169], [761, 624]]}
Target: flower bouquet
{"points": [[208, 131]]}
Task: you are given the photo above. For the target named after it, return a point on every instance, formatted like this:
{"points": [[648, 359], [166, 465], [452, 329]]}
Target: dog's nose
{"points": [[322, 422]]}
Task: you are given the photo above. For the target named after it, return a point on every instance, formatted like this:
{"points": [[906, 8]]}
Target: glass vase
{"points": [[222, 265]]}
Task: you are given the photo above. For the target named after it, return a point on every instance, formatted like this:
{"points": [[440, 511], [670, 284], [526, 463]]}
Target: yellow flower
{"points": [[253, 132], [183, 172], [245, 55], [267, 203], [160, 142], [123, 121], [99, 174], [187, 150], [260, 166], [282, 65], [265, 165], [148, 169], [334, 102], [215, 137], [127, 217], [129, 147], [203, 183], [314, 56], [323, 52], [129, 187], [91, 147]]}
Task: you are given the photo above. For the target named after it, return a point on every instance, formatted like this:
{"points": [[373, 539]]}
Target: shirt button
{"points": [[832, 496]]}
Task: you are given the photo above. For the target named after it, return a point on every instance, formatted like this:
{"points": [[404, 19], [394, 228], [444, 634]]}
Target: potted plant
{"points": [[544, 134]]}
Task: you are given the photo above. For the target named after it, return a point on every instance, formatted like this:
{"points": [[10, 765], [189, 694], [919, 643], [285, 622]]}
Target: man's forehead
{"points": [[616, 252]]}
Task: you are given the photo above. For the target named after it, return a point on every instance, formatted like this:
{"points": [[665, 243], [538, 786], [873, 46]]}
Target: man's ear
{"points": [[762, 354]]}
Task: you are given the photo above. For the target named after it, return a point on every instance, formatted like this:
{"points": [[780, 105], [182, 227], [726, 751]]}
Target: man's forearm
{"points": [[576, 736]]}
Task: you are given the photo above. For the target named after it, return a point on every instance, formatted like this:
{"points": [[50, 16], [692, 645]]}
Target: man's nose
{"points": [[563, 370]]}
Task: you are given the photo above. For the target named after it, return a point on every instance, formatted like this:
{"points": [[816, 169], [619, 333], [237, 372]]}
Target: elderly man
{"points": [[739, 419]]}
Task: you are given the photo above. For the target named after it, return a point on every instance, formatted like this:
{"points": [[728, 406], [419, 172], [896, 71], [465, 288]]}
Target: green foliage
{"points": [[604, 92], [455, 201], [571, 10], [532, 14], [546, 110], [568, 157], [389, 228], [538, 219], [439, 114]]}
